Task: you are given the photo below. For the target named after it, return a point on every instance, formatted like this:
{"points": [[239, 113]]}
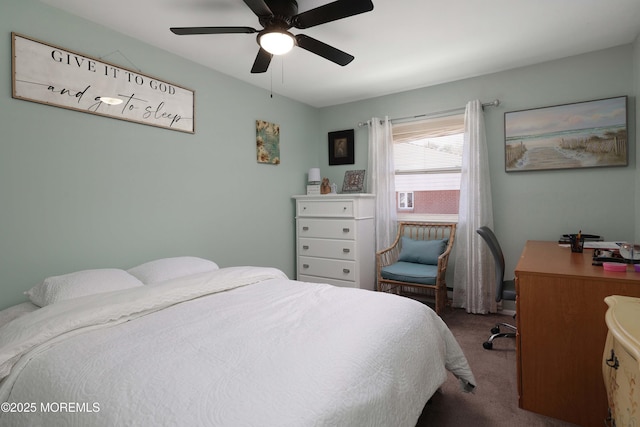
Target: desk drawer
{"points": [[330, 208], [327, 228], [324, 248], [322, 267]]}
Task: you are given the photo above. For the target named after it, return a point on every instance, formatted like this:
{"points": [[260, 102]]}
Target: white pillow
{"points": [[15, 311], [79, 284], [163, 269]]}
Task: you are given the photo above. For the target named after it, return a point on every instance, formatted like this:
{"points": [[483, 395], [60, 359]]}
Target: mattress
{"points": [[241, 346]]}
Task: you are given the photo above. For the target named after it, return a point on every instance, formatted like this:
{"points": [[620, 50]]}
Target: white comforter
{"points": [[240, 346]]}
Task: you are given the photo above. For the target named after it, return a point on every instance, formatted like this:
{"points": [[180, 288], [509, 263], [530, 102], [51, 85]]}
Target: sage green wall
{"points": [[527, 205], [82, 191]]}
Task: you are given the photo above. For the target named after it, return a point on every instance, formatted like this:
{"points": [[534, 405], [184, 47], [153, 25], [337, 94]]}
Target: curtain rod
{"points": [[493, 103]]}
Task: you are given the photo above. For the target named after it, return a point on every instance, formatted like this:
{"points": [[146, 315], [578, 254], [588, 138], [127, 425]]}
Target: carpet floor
{"points": [[494, 403]]}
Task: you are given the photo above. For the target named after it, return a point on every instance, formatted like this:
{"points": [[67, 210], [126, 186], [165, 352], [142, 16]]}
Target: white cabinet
{"points": [[335, 239], [621, 360]]}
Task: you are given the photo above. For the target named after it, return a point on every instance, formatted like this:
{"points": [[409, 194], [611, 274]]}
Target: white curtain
{"points": [[380, 181], [474, 276]]}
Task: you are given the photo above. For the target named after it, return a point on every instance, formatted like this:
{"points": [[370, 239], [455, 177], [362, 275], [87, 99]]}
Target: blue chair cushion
{"points": [[422, 251], [410, 272]]}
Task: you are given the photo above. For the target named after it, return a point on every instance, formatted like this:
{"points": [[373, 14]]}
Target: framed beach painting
{"points": [[578, 135]]}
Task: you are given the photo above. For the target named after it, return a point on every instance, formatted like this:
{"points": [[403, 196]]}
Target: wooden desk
{"points": [[561, 331]]}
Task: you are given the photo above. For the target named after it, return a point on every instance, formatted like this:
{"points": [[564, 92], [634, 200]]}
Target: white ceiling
{"points": [[400, 45]]}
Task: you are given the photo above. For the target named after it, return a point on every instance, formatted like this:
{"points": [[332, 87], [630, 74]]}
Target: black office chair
{"points": [[505, 289]]}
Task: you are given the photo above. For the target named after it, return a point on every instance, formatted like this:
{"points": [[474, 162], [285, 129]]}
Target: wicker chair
{"points": [[420, 270]]}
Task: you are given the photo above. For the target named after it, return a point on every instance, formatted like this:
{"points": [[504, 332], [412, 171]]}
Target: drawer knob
{"points": [[612, 362], [305, 247], [345, 230], [346, 250], [346, 271], [305, 228], [305, 265]]}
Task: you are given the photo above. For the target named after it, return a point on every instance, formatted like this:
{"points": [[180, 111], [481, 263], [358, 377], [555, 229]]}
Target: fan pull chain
{"points": [[271, 76]]}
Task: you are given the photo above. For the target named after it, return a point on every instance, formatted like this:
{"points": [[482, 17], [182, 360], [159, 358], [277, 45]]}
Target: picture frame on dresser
{"points": [[353, 181]]}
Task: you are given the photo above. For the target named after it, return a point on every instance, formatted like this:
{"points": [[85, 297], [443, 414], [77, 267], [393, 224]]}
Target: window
{"points": [[428, 162], [405, 200]]}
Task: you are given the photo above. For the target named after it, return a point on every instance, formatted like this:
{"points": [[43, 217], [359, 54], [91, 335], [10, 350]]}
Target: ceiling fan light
{"points": [[277, 42], [111, 101]]}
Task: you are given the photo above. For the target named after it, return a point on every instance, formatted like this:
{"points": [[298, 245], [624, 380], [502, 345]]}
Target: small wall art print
{"points": [[51, 75], [268, 142], [578, 135], [341, 147], [353, 181]]}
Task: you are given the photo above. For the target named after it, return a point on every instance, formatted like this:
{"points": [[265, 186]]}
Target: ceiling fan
{"points": [[277, 17]]}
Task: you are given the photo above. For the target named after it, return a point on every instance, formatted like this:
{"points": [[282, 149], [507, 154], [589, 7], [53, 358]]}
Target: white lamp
{"points": [[276, 42], [314, 176]]}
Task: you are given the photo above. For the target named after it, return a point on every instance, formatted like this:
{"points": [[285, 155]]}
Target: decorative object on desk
{"points": [[313, 182], [341, 147], [566, 238], [601, 256], [614, 266], [630, 252], [50, 75], [268, 142], [325, 187], [577, 242], [353, 181], [578, 135], [334, 188]]}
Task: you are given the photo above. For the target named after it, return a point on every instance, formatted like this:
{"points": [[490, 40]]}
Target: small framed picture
{"points": [[353, 182], [341, 147]]}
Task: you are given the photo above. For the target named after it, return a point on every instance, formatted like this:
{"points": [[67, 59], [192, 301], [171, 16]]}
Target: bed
{"points": [[236, 346]]}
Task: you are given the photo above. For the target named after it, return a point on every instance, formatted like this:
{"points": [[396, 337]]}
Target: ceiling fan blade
{"points": [[331, 12], [324, 50], [259, 7], [263, 59], [185, 31]]}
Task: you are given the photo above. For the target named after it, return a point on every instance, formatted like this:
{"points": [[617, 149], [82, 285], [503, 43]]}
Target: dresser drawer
{"points": [[322, 267], [620, 371], [326, 228], [324, 248], [326, 208]]}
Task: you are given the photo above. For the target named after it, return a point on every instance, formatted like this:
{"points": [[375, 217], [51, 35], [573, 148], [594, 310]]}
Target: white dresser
{"points": [[335, 239], [621, 360]]}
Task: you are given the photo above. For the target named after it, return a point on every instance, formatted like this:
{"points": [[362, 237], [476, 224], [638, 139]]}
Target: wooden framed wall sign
{"points": [[50, 75]]}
